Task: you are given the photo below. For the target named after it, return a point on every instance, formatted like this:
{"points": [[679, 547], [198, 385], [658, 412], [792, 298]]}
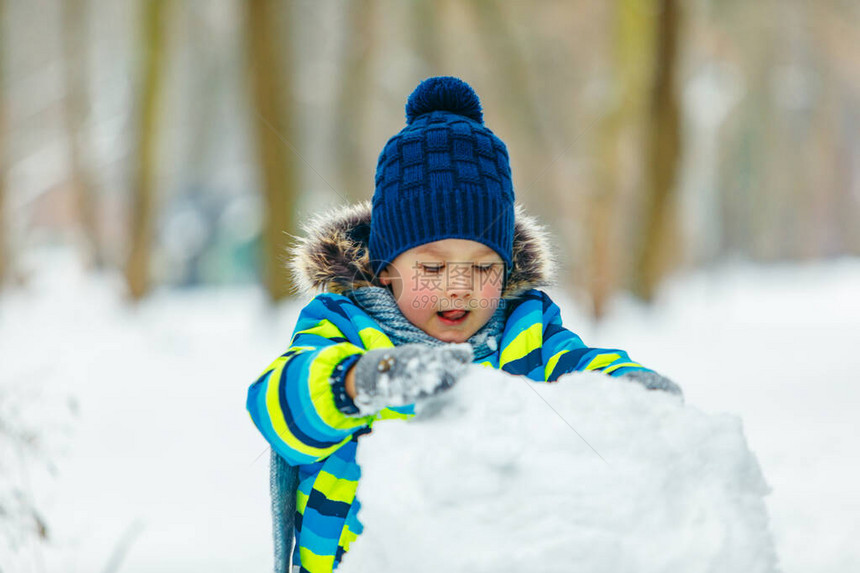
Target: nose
{"points": [[459, 293], [459, 283]]}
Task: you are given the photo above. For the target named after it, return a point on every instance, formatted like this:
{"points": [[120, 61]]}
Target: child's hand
{"points": [[653, 381], [404, 374]]}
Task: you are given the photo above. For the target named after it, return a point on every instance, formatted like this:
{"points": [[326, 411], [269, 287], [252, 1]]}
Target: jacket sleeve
{"points": [[563, 351], [293, 404]]}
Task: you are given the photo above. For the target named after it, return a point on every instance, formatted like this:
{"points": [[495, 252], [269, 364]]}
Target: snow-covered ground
{"points": [[158, 466]]}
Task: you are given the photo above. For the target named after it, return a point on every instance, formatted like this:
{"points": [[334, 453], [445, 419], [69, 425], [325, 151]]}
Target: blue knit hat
{"points": [[444, 176]]}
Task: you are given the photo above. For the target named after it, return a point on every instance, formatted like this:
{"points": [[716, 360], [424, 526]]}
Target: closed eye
{"points": [[432, 268]]}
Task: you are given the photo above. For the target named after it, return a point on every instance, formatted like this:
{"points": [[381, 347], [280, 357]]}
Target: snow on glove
{"points": [[653, 381], [404, 374]]}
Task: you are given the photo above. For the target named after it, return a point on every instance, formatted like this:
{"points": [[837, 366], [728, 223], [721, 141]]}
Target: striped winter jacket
{"points": [[292, 403]]}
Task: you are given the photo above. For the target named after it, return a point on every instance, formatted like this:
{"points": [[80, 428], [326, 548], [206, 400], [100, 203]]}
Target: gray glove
{"points": [[404, 374], [653, 381]]}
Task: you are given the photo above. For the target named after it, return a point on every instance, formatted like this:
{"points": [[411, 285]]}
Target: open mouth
{"points": [[452, 316]]}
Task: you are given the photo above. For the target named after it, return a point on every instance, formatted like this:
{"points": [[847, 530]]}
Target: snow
{"points": [[158, 467], [591, 474], [161, 452]]}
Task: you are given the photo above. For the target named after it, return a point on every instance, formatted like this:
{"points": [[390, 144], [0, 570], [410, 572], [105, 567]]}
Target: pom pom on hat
{"points": [[444, 93]]}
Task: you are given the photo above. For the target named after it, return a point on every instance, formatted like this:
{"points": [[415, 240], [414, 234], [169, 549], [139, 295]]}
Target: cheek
{"points": [[491, 289], [415, 304], [421, 292], [490, 295]]}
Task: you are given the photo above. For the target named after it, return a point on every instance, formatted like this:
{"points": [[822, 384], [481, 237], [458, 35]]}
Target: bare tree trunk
{"points": [[4, 255], [542, 140], [137, 267], [76, 108], [631, 58], [351, 107], [4, 259], [204, 94], [425, 34], [840, 49], [3, 226], [662, 155], [603, 242], [271, 94], [496, 35]]}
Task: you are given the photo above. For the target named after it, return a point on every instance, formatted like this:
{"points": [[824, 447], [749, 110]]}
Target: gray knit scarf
{"points": [[379, 303]]}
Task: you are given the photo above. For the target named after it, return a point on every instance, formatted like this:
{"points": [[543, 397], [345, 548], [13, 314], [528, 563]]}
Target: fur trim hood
{"points": [[333, 255]]}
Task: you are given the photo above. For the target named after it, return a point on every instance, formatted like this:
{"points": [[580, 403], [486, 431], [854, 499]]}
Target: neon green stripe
{"points": [[324, 328], [550, 365], [319, 386], [602, 361], [315, 563], [525, 342], [389, 414], [374, 338], [615, 367], [347, 537], [276, 417], [283, 359], [278, 362], [335, 489], [301, 501]]}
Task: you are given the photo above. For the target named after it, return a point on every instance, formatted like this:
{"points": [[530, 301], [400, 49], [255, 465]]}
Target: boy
{"points": [[438, 272]]}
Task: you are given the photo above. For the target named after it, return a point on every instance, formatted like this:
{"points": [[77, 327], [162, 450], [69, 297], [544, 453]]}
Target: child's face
{"points": [[448, 288]]}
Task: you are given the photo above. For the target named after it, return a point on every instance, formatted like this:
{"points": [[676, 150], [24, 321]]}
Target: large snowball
{"points": [[590, 474]]}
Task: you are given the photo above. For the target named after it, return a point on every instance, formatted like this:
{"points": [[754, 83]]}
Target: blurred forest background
{"points": [[182, 141]]}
